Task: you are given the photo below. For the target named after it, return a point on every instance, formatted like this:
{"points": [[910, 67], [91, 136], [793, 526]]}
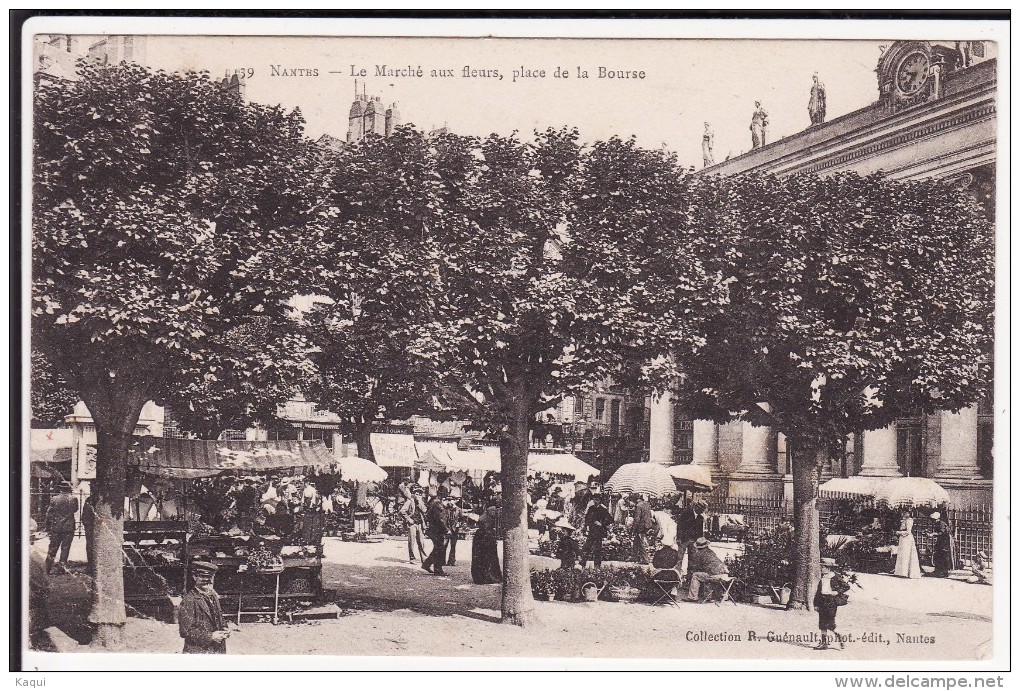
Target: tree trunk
{"points": [[115, 425], [518, 606], [807, 553], [363, 435]]}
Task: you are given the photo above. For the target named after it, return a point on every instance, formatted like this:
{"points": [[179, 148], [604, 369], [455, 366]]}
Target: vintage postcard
{"points": [[666, 344]]}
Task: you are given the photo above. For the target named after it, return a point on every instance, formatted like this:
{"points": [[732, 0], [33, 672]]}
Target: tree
{"points": [[162, 206], [51, 398], [852, 301], [541, 296], [378, 275]]}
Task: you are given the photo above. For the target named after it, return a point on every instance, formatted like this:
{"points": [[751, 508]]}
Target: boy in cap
{"points": [[829, 596], [199, 616]]}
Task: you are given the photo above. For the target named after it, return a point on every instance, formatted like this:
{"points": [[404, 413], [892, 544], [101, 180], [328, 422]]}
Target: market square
{"points": [[309, 377]]}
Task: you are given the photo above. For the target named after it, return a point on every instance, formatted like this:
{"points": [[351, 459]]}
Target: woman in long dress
{"points": [[485, 566], [908, 565]]}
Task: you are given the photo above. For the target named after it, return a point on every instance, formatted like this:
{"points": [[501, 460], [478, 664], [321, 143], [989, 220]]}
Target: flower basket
{"points": [[625, 593]]}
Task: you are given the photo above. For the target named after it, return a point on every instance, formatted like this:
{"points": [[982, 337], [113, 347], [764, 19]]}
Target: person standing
{"points": [[60, 525], [485, 568], [567, 548], [666, 525], [454, 517], [597, 520], [88, 524], [642, 525], [690, 526], [438, 532], [200, 619], [942, 551], [829, 596], [413, 512], [907, 563]]}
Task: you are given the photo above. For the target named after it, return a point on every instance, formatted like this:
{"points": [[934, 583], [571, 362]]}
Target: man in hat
{"points": [[598, 520], [438, 531], [199, 616], [642, 525], [567, 548], [413, 512], [831, 588], [454, 518], [60, 525], [690, 525], [704, 566]]}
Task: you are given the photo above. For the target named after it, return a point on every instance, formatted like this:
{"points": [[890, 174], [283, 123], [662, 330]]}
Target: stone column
{"points": [[660, 430], [754, 454], [959, 439], [880, 453], [756, 476], [706, 445]]}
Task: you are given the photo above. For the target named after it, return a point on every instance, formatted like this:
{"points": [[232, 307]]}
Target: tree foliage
{"points": [[378, 272], [51, 397], [548, 258], [162, 208], [852, 301]]}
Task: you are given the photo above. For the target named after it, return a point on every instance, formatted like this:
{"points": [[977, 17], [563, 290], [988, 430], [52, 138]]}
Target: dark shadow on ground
{"points": [[68, 602], [387, 589]]}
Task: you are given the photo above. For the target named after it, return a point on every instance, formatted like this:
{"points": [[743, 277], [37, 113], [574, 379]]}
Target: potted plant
{"points": [[542, 585]]}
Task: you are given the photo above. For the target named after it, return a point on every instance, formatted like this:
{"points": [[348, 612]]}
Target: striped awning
{"points": [[186, 458]]}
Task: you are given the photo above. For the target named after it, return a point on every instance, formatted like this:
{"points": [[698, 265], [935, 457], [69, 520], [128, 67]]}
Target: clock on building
{"points": [[912, 72]]}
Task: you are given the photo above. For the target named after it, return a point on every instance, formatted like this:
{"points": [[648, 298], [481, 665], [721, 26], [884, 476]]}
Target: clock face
{"points": [[912, 73]]}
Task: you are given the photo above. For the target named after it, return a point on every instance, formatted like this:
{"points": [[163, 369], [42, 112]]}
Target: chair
{"points": [[667, 577], [725, 589], [666, 580]]}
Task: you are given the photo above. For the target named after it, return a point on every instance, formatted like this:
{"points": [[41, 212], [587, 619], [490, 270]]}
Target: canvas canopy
{"points": [[560, 464], [451, 458], [191, 458]]}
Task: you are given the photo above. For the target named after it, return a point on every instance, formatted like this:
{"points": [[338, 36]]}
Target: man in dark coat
{"points": [[690, 525], [60, 525], [199, 616], [644, 522], [454, 515], [438, 531], [597, 519], [704, 566]]}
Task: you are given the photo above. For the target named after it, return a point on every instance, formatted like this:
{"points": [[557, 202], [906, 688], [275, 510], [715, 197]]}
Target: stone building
{"points": [[935, 116], [369, 116]]}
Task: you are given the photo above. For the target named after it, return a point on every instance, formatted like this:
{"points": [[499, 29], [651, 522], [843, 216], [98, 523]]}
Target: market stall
{"points": [[251, 508]]}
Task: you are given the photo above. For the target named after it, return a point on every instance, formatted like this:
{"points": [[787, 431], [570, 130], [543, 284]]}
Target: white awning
{"points": [[484, 459], [560, 464]]}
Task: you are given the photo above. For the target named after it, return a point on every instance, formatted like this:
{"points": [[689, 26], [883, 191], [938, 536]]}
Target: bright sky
{"points": [[686, 83]]}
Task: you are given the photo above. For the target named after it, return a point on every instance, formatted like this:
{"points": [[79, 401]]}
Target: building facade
{"points": [[935, 116]]}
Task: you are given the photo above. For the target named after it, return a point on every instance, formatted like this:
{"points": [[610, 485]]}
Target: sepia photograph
{"points": [[583, 341]]}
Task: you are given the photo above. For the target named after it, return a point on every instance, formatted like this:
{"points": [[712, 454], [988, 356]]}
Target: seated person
{"points": [[981, 568], [704, 566]]}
